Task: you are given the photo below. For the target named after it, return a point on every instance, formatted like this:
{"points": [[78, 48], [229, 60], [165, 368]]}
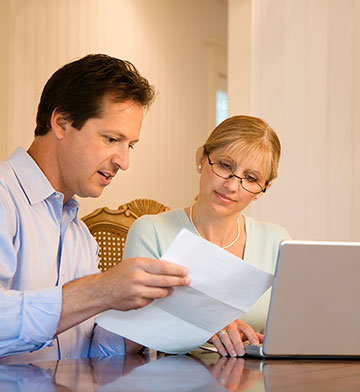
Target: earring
{"points": [[200, 167]]}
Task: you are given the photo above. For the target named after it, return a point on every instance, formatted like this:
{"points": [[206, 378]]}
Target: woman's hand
{"points": [[229, 341]]}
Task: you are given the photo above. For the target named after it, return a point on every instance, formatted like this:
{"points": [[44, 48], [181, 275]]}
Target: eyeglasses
{"points": [[223, 170]]}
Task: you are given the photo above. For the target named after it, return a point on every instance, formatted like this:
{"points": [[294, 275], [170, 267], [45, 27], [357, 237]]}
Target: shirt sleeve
{"points": [[28, 319]]}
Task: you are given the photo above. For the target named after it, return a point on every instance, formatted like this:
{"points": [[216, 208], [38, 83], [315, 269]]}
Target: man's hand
{"points": [[131, 284], [136, 282]]}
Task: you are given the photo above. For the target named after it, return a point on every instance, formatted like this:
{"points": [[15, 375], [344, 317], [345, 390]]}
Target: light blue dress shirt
{"points": [[43, 245]]}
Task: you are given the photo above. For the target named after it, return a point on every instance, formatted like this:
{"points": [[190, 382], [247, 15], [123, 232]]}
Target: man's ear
{"points": [[58, 123], [199, 158]]}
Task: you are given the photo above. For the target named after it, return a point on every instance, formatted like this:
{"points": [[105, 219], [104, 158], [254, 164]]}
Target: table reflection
{"points": [[197, 372], [237, 374], [125, 373]]}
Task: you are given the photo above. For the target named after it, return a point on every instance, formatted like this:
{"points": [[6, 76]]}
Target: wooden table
{"points": [[198, 372]]}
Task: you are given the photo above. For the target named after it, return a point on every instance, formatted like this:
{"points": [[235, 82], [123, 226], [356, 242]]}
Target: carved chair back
{"points": [[110, 227]]}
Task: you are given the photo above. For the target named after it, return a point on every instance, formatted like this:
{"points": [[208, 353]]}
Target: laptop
{"points": [[315, 302]]}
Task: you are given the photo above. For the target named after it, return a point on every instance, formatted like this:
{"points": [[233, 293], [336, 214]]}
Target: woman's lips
{"points": [[225, 198]]}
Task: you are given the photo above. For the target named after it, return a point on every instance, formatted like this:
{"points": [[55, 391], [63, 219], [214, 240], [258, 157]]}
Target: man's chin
{"points": [[94, 193]]}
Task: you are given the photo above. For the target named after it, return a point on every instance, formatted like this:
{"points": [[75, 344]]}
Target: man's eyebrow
{"points": [[119, 135]]}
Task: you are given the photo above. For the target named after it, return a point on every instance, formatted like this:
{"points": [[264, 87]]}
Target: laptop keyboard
{"points": [[248, 344]]}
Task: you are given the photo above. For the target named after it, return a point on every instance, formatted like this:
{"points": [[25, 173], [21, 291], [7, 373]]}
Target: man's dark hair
{"points": [[78, 88]]}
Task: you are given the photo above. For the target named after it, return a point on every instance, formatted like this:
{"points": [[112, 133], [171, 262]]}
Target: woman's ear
{"points": [[199, 158], [268, 185], [58, 123], [257, 197]]}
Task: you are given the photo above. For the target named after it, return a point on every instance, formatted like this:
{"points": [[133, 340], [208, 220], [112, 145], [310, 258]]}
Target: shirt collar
{"points": [[32, 180]]}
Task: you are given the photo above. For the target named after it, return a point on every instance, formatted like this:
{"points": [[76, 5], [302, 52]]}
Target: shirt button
{"points": [[63, 274], [57, 196]]}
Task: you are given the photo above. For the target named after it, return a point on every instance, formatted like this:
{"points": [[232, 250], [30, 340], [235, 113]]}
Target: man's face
{"points": [[89, 158]]}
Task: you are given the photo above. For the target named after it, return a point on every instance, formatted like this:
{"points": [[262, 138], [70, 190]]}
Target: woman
{"points": [[237, 165]]}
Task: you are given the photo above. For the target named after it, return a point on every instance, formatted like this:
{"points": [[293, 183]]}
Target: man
{"points": [[89, 117]]}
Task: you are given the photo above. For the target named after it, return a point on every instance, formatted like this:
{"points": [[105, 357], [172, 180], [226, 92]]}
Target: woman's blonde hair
{"points": [[249, 136]]}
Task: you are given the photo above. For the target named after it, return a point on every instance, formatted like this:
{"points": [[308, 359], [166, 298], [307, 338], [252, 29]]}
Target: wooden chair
{"points": [[110, 227]]}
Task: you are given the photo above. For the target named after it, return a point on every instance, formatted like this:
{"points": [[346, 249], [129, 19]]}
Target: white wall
{"points": [[165, 39], [294, 63], [305, 81]]}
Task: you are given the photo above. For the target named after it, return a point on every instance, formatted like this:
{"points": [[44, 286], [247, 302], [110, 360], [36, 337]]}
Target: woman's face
{"points": [[227, 196]]}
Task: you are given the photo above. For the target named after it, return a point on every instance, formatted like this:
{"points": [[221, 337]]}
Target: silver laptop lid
{"points": [[314, 307]]}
